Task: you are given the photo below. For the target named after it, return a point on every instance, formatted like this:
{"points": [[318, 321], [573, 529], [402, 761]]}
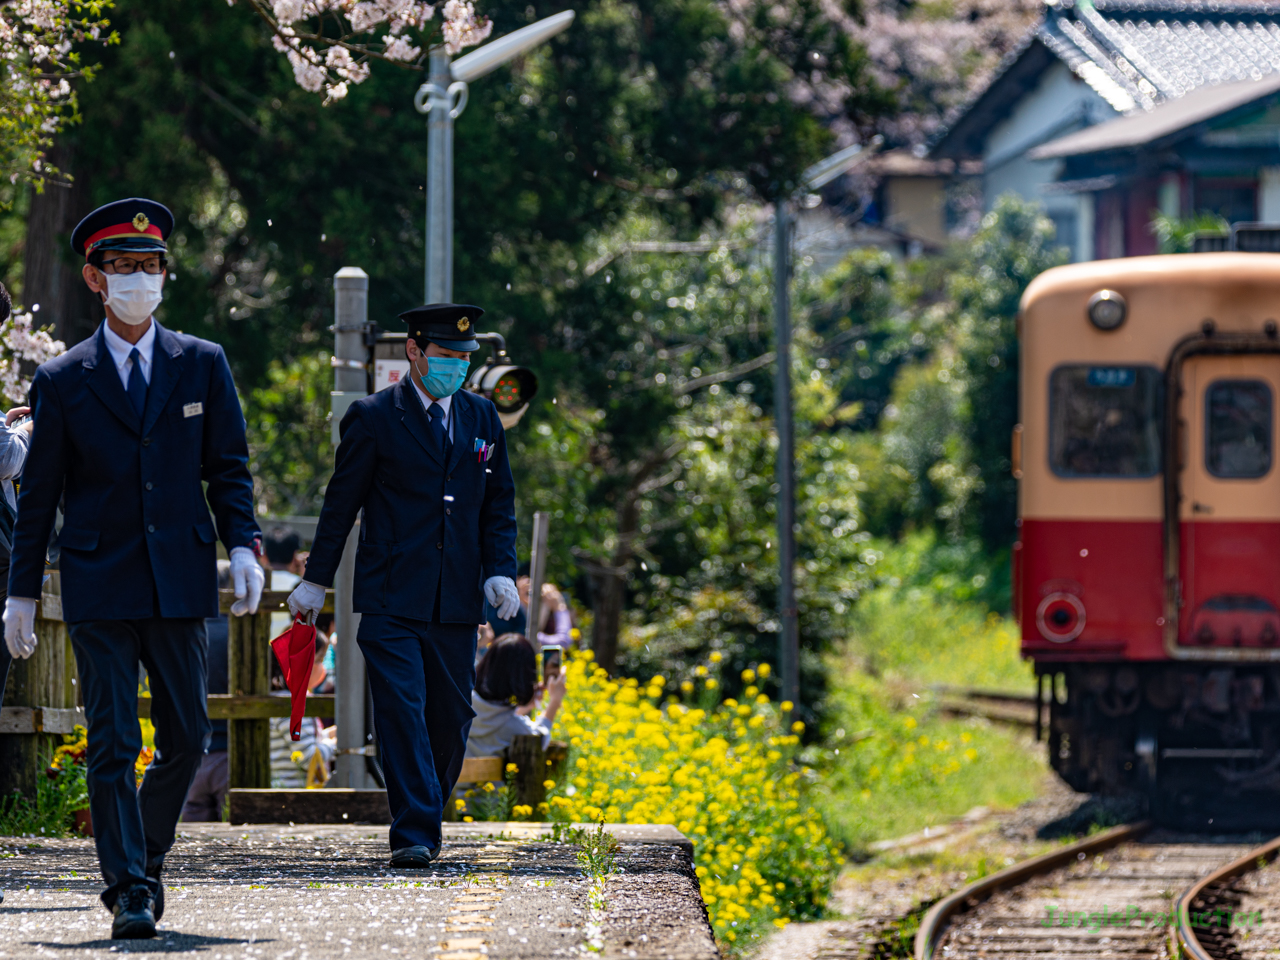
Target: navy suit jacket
{"points": [[135, 521], [429, 526]]}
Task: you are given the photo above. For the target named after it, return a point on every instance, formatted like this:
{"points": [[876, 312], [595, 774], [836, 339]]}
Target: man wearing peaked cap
{"points": [[138, 432], [427, 462]]}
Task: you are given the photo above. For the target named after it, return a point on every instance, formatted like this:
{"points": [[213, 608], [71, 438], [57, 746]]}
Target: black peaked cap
{"points": [[451, 325], [137, 224]]}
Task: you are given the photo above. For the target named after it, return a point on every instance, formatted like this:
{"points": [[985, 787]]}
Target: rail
{"points": [[1185, 927], [935, 920]]}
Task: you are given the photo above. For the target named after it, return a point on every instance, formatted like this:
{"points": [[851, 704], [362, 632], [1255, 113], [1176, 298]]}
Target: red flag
{"points": [[296, 651]]}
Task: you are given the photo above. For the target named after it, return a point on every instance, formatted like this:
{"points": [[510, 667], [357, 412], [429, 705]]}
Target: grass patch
{"points": [[910, 635], [893, 765], [929, 619]]}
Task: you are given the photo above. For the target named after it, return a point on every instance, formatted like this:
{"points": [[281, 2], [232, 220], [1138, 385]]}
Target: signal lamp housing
{"points": [[1107, 310], [509, 386]]}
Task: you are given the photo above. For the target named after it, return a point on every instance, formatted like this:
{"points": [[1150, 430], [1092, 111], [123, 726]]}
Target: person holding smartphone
{"points": [[507, 692]]}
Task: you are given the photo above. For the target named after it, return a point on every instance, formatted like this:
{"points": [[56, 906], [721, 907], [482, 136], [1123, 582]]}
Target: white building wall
{"points": [[1269, 194], [1059, 104]]}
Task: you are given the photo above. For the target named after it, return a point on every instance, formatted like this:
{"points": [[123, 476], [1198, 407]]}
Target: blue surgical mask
{"points": [[445, 376]]}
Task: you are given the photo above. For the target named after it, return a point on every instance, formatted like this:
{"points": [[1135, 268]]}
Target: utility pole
{"points": [[821, 173], [443, 98], [789, 635], [446, 101]]}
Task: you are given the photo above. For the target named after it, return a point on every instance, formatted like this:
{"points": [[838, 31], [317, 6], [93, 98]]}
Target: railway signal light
{"points": [[509, 386]]}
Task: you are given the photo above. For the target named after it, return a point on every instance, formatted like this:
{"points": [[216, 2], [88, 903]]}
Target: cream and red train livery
{"points": [[1147, 568]]}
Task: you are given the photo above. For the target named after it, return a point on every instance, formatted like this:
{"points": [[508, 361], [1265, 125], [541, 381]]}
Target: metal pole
{"points": [[789, 637], [439, 277], [351, 317], [537, 574]]}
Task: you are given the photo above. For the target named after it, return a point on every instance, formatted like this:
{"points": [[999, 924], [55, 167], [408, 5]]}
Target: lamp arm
{"points": [[499, 342]]}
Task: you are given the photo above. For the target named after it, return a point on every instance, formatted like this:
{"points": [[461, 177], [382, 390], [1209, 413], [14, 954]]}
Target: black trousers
{"points": [[134, 828], [421, 675]]}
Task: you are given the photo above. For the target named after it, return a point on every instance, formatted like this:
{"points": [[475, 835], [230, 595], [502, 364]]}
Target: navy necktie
{"points": [[137, 385], [437, 428]]}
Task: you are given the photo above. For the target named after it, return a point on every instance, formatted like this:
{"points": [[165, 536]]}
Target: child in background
{"points": [[506, 680]]}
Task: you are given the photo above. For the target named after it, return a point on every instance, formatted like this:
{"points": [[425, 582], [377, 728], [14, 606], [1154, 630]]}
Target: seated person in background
{"points": [[324, 627], [280, 550], [506, 680], [208, 794], [484, 640], [292, 764], [556, 623]]}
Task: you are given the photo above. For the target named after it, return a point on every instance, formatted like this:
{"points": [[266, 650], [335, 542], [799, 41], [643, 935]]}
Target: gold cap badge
{"points": [[464, 324], [140, 222]]}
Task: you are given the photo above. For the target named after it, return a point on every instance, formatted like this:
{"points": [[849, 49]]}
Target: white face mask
{"points": [[134, 297]]}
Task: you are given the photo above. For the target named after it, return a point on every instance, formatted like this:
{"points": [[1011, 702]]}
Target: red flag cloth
{"points": [[296, 651]]}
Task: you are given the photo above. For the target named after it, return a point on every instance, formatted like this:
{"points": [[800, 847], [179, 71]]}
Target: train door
{"points": [[1230, 509]]}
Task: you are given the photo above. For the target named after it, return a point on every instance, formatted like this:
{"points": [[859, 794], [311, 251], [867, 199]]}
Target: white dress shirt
{"points": [[425, 399], [120, 348]]}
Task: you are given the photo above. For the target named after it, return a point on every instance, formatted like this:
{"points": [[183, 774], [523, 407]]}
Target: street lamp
{"points": [[443, 98], [818, 175]]}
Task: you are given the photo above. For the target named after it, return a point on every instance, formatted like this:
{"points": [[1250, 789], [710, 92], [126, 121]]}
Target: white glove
{"points": [[306, 601], [502, 596], [19, 627], [248, 579]]}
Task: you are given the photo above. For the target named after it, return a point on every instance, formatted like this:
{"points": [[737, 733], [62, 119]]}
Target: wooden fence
{"points": [[42, 701]]}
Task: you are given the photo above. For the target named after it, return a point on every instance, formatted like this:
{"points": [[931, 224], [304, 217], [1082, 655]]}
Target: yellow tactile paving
{"points": [[469, 911]]}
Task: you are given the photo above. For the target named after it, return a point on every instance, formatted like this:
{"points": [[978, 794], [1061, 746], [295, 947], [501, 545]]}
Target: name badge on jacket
{"points": [[192, 409]]}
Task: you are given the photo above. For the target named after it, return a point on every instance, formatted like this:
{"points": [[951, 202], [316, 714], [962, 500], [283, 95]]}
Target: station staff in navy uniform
{"points": [[428, 465], [128, 425]]}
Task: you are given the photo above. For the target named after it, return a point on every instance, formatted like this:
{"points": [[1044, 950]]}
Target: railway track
{"points": [[1130, 892]]}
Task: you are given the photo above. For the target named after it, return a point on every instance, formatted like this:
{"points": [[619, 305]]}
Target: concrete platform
{"points": [[327, 891]]}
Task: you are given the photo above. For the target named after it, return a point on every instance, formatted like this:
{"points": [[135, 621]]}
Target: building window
{"points": [[1104, 421], [1233, 199], [1066, 231], [1238, 429]]}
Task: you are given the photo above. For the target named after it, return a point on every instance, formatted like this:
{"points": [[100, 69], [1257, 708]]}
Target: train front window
{"points": [[1104, 421], [1238, 429]]}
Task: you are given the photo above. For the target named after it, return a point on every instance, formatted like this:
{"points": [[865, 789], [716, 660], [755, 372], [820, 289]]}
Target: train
{"points": [[1146, 568]]}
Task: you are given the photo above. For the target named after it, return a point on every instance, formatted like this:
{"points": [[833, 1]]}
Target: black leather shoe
{"points": [[135, 917], [415, 856]]}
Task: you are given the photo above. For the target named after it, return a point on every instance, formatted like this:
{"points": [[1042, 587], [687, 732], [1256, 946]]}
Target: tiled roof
{"points": [[1136, 54], [1155, 52]]}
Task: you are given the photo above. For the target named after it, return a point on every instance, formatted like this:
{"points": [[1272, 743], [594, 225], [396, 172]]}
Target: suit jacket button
{"points": [[439, 546], [448, 510], [146, 441], [148, 484], [151, 528]]}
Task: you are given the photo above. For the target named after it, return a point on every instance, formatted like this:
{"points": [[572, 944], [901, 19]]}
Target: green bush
{"points": [[52, 813]]}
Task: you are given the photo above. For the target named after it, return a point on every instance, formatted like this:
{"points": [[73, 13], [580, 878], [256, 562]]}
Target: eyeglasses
{"points": [[125, 266]]}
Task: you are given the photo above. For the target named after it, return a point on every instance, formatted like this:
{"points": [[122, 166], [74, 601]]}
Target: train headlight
{"points": [[1107, 309], [1060, 617]]}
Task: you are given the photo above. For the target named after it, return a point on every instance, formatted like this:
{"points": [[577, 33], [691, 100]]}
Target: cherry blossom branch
{"points": [[336, 59], [37, 63]]}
